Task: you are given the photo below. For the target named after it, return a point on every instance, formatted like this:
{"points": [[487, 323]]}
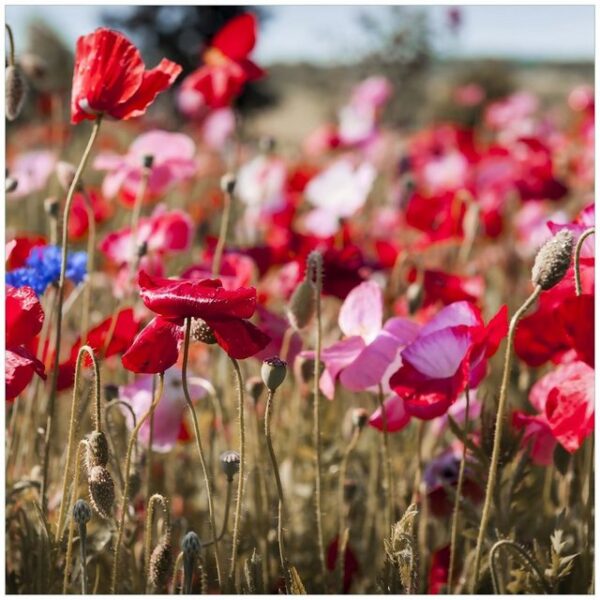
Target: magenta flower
{"points": [[173, 161], [169, 413], [370, 351]]}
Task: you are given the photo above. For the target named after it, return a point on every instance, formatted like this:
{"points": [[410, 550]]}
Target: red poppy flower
{"points": [[110, 78], [447, 288], [174, 300], [351, 566], [439, 571], [24, 319], [227, 68], [78, 217], [18, 249]]}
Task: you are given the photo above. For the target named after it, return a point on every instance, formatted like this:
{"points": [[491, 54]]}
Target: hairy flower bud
{"points": [[273, 372], [230, 463], [82, 512], [16, 91], [360, 417], [102, 491], [191, 544], [161, 563], [202, 332], [301, 307], [52, 207], [553, 260], [98, 453]]}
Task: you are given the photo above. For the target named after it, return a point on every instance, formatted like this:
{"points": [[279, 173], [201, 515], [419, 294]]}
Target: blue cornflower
{"points": [[43, 269]]}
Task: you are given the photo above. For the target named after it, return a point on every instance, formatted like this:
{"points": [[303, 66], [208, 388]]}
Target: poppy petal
{"points": [[239, 338], [237, 38], [20, 367], [24, 315]]}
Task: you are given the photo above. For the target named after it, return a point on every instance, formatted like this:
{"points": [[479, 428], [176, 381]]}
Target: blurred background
{"points": [[315, 54]]}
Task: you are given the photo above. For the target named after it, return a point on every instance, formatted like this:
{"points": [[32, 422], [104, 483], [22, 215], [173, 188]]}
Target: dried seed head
{"points": [[82, 512], [301, 307], [191, 545], [255, 387], [360, 417], [228, 182], [230, 463], [65, 173], [553, 260], [273, 372], [102, 491], [16, 91], [161, 564], [52, 207], [202, 332], [98, 453]]}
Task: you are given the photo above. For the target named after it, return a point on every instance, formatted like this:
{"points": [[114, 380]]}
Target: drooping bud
{"points": [[202, 332], [65, 173], [147, 161], [82, 512], [98, 453], [102, 491], [52, 207], [301, 307], [161, 564], [255, 387], [16, 91], [553, 260], [230, 463], [414, 296], [273, 372], [360, 417], [228, 182], [10, 184]]}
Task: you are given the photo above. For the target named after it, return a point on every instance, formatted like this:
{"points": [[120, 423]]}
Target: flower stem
{"points": [[83, 552], [186, 393], [241, 474], [135, 218], [281, 507], [578, 247], [148, 537], [491, 482], [218, 255], [132, 442], [11, 45], [60, 298], [73, 428], [457, 499], [387, 462]]}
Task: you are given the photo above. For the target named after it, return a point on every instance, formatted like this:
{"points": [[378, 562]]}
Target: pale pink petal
{"points": [[457, 313], [395, 414], [362, 311]]}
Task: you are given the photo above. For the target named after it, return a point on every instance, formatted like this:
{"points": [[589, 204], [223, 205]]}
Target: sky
{"points": [[329, 34]]}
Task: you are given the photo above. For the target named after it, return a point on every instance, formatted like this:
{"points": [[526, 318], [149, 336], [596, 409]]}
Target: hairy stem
{"points": [[387, 459], [156, 498], [578, 247]]}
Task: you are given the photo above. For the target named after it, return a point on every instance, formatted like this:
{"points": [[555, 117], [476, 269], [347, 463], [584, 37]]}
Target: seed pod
{"points": [[360, 417], [553, 260], [230, 463], [52, 207], [16, 91], [102, 491], [98, 453], [228, 182], [191, 544], [255, 387], [82, 512], [273, 372], [161, 564], [301, 308], [202, 332]]}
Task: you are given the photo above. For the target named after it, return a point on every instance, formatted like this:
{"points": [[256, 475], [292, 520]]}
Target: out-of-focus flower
{"points": [[276, 328], [226, 69], [337, 193], [78, 217], [225, 312], [437, 579], [170, 411], [237, 270], [449, 353], [585, 220], [218, 127], [531, 227], [172, 162], [19, 248], [351, 564], [110, 78], [24, 319], [370, 350], [31, 170], [512, 117], [42, 268], [470, 94]]}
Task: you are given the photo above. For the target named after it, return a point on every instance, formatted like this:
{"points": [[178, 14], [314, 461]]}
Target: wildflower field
{"points": [[359, 363]]}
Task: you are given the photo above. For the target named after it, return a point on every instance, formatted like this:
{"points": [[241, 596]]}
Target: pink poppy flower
{"points": [[218, 127], [370, 349], [31, 171], [237, 270], [170, 412], [584, 220], [173, 161], [449, 353], [337, 193]]}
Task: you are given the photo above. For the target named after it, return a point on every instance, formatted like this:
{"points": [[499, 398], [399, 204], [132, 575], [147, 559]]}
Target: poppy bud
{"points": [[52, 207], [230, 463], [102, 491], [10, 184], [255, 387], [553, 260], [161, 563], [65, 173], [142, 249], [82, 512], [301, 308], [147, 161], [414, 296], [273, 372], [228, 182], [191, 545], [16, 90], [202, 332], [111, 392], [359, 417], [98, 454]]}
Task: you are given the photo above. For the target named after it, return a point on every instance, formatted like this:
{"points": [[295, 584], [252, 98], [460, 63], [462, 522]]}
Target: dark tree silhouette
{"points": [[181, 33]]}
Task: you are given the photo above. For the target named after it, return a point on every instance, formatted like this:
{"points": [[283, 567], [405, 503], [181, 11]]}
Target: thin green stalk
{"points": [[387, 459], [241, 474], [60, 298], [132, 442], [148, 537], [73, 428], [491, 482], [457, 499], [579, 245], [186, 393]]}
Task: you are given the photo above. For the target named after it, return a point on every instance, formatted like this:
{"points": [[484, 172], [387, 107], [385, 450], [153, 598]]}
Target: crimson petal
{"points": [[24, 315], [239, 338], [19, 369]]}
